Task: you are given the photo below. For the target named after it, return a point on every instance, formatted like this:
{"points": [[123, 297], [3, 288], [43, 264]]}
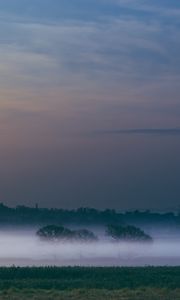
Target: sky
{"points": [[90, 103]]}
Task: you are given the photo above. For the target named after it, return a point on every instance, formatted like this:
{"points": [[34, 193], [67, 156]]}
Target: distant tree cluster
{"points": [[118, 233], [58, 233], [127, 233]]}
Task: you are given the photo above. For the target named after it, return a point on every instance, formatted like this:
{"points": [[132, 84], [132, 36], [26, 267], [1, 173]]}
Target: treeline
{"points": [[69, 278], [88, 216]]}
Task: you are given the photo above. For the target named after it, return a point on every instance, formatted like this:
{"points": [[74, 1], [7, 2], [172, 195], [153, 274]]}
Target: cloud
{"points": [[143, 131], [114, 68], [111, 50], [69, 53], [161, 8]]}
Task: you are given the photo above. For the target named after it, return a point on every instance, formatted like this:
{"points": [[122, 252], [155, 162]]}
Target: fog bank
{"points": [[25, 249]]}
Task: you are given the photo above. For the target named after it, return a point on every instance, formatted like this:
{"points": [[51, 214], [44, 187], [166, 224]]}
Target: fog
{"points": [[23, 248]]}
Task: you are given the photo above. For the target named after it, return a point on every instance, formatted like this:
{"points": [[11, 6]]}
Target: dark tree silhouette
{"points": [[53, 232], [58, 233], [127, 233]]}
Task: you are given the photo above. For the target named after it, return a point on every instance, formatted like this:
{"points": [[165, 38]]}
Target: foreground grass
{"points": [[124, 294], [71, 278], [82, 283]]}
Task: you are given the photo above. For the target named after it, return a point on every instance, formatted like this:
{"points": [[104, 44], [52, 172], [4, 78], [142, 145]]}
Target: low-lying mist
{"points": [[24, 248]]}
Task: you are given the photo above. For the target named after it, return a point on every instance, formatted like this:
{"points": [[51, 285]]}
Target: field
{"points": [[53, 283], [125, 294]]}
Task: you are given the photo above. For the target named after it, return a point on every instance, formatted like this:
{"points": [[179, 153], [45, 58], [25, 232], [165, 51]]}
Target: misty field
{"points": [[81, 283], [164, 250]]}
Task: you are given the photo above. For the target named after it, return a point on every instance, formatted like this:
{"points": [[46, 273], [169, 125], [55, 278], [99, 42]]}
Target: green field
{"points": [[92, 294], [68, 283]]}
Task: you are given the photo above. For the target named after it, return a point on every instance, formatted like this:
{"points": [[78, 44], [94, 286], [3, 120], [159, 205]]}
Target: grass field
{"points": [[92, 294], [53, 283]]}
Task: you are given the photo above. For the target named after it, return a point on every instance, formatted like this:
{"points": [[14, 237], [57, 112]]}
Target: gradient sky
{"points": [[90, 103]]}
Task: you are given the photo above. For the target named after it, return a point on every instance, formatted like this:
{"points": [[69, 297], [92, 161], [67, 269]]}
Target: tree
{"points": [[127, 233], [85, 235], [59, 233], [53, 232]]}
